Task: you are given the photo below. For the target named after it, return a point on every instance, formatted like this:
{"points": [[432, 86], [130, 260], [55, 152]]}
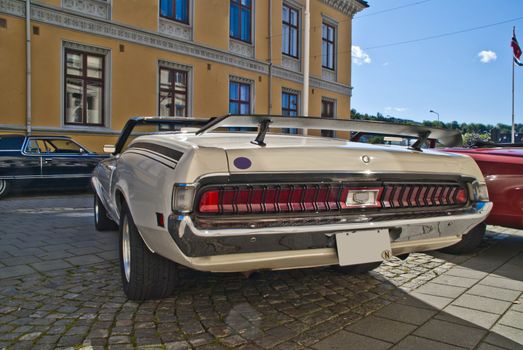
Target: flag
{"points": [[516, 48]]}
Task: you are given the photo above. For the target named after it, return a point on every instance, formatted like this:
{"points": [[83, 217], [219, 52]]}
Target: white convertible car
{"points": [[192, 192]]}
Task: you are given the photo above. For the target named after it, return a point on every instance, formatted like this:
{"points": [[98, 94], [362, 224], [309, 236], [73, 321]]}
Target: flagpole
{"points": [[513, 138]]}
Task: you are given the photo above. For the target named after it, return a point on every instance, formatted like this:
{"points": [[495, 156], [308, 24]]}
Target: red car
{"points": [[502, 166]]}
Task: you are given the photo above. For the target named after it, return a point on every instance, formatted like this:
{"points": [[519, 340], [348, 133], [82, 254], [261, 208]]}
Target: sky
{"points": [[465, 77]]}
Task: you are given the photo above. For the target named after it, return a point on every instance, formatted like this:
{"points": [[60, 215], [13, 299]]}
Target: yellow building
{"points": [[96, 63]]}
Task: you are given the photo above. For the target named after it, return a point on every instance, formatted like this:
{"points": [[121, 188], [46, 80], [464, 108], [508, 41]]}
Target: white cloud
{"points": [[487, 56], [396, 109], [359, 56]]}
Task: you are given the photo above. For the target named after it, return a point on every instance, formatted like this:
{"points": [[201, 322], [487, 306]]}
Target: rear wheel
{"points": [[4, 188], [468, 242], [145, 275], [360, 268], [101, 219]]}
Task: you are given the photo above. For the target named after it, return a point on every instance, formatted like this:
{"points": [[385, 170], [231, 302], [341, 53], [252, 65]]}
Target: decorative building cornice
{"points": [[95, 26], [291, 63], [347, 7], [239, 79], [174, 29], [85, 48], [241, 48], [174, 65], [328, 74], [96, 8], [314, 82], [291, 91]]}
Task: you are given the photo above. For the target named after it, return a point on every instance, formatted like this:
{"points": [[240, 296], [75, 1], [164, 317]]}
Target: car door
{"points": [[28, 165], [64, 158]]}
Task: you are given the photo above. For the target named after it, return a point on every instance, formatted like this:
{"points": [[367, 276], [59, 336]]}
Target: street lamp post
{"points": [[436, 113]]}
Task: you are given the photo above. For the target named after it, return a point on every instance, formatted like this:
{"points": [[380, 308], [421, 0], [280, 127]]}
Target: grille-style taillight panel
{"points": [[302, 198]]}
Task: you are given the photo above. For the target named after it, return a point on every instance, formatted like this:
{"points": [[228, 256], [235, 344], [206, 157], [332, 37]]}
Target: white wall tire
{"points": [[145, 275], [4, 188], [101, 219]]}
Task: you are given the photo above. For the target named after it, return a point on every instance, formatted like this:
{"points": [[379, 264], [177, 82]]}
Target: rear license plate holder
{"points": [[360, 247]]}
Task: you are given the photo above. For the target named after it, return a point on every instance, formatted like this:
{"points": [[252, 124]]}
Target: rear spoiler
{"points": [[450, 138], [176, 122]]}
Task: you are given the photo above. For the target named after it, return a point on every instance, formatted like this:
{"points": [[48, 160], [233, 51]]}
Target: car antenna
{"points": [[263, 127]]}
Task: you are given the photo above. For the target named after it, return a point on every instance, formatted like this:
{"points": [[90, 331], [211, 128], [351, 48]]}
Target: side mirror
{"points": [[109, 148]]}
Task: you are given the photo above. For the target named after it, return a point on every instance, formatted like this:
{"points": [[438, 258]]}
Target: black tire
{"points": [[145, 275], [360, 268], [101, 219], [4, 188], [403, 256], [469, 242]]}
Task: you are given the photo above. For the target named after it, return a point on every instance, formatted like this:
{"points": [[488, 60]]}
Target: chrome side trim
{"points": [[32, 177]]}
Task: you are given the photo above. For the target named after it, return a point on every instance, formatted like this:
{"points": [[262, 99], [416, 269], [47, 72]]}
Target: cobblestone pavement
{"points": [[60, 288]]}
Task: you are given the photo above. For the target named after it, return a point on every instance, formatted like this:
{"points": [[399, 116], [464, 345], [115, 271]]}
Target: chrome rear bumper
{"points": [[296, 247]]}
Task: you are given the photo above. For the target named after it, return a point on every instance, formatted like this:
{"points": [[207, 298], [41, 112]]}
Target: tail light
{"points": [[183, 198], [480, 191], [461, 196], [287, 198], [302, 198]]}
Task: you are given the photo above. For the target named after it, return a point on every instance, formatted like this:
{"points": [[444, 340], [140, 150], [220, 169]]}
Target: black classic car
{"points": [[44, 162]]}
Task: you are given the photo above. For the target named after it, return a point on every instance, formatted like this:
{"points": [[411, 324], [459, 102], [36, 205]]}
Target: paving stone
{"points": [[487, 346], [503, 341], [342, 339], [15, 271], [416, 343], [454, 281], [481, 303], [406, 314], [517, 306], [511, 270], [84, 260], [513, 319], [431, 301], [441, 290], [380, 328], [451, 333], [501, 282], [51, 265], [494, 292], [511, 333], [179, 345], [468, 317], [459, 271]]}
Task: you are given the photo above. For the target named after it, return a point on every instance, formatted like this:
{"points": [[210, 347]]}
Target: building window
{"points": [[327, 111], [289, 31], [239, 98], [173, 93], [240, 20], [328, 46], [289, 108], [176, 10], [84, 78]]}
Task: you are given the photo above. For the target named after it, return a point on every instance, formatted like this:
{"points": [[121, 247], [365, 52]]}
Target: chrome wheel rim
{"points": [[3, 185], [96, 211], [126, 249]]}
